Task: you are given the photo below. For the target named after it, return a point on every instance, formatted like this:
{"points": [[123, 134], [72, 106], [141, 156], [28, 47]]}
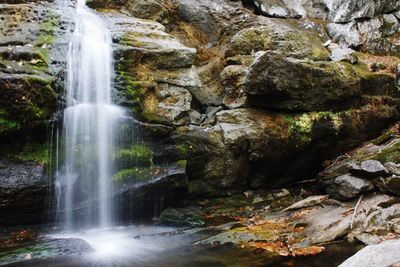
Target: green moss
{"points": [[140, 153], [41, 106], [182, 164], [183, 149], [134, 92], [34, 152], [301, 126], [47, 32], [6, 124], [390, 154], [138, 174], [304, 42]]}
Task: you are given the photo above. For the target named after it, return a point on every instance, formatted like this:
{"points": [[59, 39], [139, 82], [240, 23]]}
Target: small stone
{"points": [[344, 54], [369, 169], [195, 117], [333, 46], [392, 168], [327, 43], [388, 185], [347, 187]]}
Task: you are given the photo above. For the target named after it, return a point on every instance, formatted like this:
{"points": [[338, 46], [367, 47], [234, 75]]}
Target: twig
{"points": [[355, 211]]}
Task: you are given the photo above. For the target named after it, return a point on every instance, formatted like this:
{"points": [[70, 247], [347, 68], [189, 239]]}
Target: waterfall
{"points": [[89, 126]]}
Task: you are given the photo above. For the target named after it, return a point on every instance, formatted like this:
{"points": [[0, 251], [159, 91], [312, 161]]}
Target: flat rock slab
{"points": [[369, 169], [45, 249]]}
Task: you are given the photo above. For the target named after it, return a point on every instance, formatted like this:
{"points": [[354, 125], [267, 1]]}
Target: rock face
{"points": [[23, 190], [237, 100], [27, 87], [368, 24], [336, 10]]}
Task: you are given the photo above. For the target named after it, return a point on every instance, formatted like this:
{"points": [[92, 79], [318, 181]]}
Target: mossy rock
{"points": [[276, 81], [35, 152], [140, 154], [28, 101]]}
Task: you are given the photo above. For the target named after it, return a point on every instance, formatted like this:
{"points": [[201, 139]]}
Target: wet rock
{"points": [[23, 192], [45, 249], [382, 255], [347, 187], [190, 216], [162, 188], [344, 54], [369, 169]]}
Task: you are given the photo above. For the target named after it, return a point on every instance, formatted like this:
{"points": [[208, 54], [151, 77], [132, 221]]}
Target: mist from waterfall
{"points": [[90, 124]]}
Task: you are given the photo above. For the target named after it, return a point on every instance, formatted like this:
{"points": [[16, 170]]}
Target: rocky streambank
{"points": [[229, 101]]}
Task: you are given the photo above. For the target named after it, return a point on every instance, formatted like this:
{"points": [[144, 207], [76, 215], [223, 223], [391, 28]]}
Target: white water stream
{"points": [[90, 119]]}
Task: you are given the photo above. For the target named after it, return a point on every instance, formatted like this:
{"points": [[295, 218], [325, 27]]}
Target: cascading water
{"points": [[90, 119]]}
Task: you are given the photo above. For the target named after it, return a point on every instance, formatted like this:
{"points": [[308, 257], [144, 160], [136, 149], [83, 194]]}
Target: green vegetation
{"points": [[6, 124], [182, 164], [301, 125], [34, 152], [140, 153], [47, 35], [138, 174]]}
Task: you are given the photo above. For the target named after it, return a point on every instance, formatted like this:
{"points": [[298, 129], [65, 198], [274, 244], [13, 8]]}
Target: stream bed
{"points": [[148, 246]]}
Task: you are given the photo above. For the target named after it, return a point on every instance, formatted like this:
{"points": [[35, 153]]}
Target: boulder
{"points": [[376, 255], [159, 187], [311, 86], [369, 169], [347, 187]]}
